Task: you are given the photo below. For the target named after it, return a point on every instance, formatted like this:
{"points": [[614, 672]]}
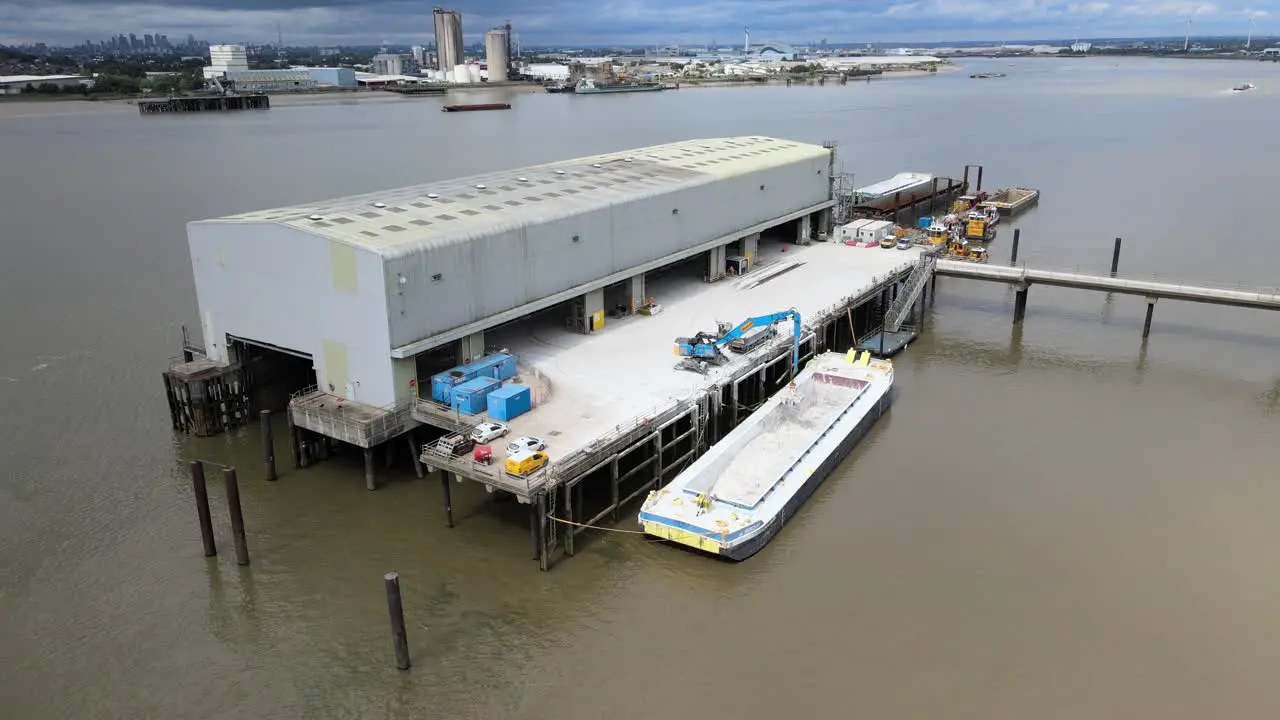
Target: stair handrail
{"points": [[913, 287]]}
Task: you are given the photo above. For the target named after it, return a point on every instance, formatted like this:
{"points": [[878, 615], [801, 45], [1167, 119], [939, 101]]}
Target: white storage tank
{"points": [[461, 74], [473, 71]]}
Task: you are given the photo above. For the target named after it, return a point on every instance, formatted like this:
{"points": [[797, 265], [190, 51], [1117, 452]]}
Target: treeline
{"points": [[103, 84]]}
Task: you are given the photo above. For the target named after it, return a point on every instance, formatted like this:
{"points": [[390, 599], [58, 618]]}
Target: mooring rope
{"points": [[595, 527]]}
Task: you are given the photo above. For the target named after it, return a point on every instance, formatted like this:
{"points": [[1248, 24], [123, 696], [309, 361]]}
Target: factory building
{"points": [[225, 59], [368, 294], [271, 80], [388, 64], [449, 45], [337, 77], [15, 84]]}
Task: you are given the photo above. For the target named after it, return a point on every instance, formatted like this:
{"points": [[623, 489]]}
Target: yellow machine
{"points": [[526, 463], [975, 229], [965, 250], [936, 234]]}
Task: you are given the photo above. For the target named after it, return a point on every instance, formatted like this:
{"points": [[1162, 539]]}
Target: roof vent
{"points": [[379, 204], [433, 196], [315, 217], [481, 186], [522, 179]]}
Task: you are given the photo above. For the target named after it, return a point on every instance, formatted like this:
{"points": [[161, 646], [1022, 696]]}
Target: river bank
{"points": [[43, 105]]}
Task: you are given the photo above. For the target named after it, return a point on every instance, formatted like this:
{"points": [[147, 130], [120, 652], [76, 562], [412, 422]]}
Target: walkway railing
{"points": [[371, 425], [1155, 285]]}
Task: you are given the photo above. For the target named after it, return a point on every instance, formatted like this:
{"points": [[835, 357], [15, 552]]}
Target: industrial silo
{"points": [[495, 49], [449, 44], [461, 74], [473, 72]]}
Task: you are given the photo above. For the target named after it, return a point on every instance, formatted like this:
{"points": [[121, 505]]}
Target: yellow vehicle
{"points": [[526, 463], [889, 242], [965, 250], [936, 234]]}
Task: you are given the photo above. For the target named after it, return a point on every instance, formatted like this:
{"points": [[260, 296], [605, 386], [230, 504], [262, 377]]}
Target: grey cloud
{"points": [[597, 21]]}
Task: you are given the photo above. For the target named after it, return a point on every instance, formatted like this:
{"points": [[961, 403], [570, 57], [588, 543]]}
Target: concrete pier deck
{"points": [[598, 385], [352, 422]]}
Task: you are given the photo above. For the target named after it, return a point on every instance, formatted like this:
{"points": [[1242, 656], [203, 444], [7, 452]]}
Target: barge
{"points": [[479, 106], [1012, 201], [588, 86], [735, 498]]}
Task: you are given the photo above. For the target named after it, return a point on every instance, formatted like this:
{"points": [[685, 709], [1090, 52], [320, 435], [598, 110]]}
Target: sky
{"points": [[629, 22]]}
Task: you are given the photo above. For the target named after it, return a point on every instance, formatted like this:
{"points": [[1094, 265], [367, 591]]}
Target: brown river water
{"points": [[1055, 521]]}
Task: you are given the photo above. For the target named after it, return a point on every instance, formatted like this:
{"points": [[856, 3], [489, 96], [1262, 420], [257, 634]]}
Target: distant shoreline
{"points": [[80, 103]]}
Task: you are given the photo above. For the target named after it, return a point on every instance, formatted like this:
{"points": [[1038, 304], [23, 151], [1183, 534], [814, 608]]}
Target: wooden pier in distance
{"points": [[214, 103], [415, 90]]}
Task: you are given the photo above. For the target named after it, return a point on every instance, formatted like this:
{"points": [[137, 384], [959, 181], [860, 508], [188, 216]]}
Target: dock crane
{"points": [[702, 348]]}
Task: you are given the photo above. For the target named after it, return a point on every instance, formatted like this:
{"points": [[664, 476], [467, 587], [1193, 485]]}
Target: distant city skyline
{"points": [[628, 22]]}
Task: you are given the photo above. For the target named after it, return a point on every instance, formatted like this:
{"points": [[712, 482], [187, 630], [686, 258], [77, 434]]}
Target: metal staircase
{"points": [[911, 289]]}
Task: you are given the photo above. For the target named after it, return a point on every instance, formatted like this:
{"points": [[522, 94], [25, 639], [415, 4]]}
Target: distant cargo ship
{"points": [[587, 86]]}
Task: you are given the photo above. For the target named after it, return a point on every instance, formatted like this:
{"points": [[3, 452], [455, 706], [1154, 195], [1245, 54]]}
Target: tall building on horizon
{"points": [[448, 24], [224, 59]]}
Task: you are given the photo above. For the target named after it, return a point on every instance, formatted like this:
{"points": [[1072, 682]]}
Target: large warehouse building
{"points": [[373, 292]]}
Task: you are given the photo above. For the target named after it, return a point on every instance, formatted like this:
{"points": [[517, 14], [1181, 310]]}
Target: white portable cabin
{"points": [[848, 234], [874, 231]]}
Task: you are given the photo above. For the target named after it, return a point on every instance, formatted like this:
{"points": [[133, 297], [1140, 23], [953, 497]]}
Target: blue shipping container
{"points": [[924, 223], [471, 397], [499, 366], [509, 402], [442, 384]]}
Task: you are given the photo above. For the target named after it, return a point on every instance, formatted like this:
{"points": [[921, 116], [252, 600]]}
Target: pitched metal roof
{"points": [[393, 222]]}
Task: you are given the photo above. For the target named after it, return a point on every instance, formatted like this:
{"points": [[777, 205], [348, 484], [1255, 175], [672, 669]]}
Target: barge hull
{"points": [[754, 545], [1012, 201], [734, 500]]}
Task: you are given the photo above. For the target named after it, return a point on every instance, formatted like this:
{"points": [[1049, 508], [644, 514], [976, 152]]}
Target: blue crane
{"points": [[705, 347]]}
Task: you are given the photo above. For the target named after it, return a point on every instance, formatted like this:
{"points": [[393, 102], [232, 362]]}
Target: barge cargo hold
{"points": [[1012, 201], [736, 497]]}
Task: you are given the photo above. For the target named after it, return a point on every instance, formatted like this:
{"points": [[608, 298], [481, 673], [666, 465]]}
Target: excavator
{"points": [[702, 349]]}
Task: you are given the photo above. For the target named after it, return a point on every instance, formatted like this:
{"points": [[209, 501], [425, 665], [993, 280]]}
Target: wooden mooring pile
{"points": [[216, 103]]}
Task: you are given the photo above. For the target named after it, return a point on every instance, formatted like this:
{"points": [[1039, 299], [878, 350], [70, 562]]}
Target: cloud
{"points": [[305, 22]]}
